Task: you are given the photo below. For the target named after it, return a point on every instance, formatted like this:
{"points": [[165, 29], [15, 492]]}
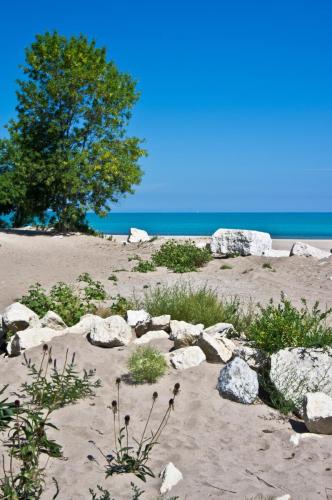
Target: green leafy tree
{"points": [[68, 150]]}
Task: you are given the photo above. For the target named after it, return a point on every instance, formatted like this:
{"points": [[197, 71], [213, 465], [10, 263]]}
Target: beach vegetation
{"points": [[132, 455], [121, 305], [113, 278], [54, 386], [6, 409], [144, 266], [68, 150], [277, 326], [181, 257], [196, 305], [146, 364], [69, 302], [226, 266], [267, 265]]}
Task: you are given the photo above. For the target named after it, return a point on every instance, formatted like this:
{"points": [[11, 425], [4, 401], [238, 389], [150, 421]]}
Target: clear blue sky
{"points": [[236, 103]]}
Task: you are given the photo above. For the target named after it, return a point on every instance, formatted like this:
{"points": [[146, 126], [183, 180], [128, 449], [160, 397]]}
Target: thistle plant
{"points": [[54, 387], [129, 457]]}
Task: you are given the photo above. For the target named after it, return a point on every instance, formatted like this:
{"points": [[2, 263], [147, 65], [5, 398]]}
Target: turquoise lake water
{"points": [[313, 225]]}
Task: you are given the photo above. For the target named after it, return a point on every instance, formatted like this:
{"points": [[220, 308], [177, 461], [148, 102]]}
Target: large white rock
{"points": [[112, 332], [31, 337], [186, 357], [317, 412], [296, 371], [238, 382], [170, 476], [18, 317], [241, 242], [216, 350], [304, 250], [160, 322], [53, 320], [150, 336], [86, 324], [138, 235], [184, 333], [220, 330]]}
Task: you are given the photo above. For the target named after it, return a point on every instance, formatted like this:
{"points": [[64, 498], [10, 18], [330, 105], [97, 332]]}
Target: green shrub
{"points": [[226, 266], [65, 300], [181, 257], [270, 395], [279, 326], [144, 266], [146, 364], [6, 410], [121, 305], [195, 305], [267, 265]]}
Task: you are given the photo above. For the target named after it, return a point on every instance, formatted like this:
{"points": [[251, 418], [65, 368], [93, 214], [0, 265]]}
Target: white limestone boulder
{"points": [[151, 336], [184, 333], [30, 337], [240, 242], [317, 412], [138, 235], [297, 371], [216, 350], [238, 382], [86, 324], [170, 476], [17, 317], [186, 357], [304, 250], [139, 320], [255, 358], [53, 320], [111, 332], [160, 322], [221, 330]]}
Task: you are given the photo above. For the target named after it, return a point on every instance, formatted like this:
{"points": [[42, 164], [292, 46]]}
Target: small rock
{"points": [[220, 330], [184, 333], [255, 358], [150, 336], [18, 317], [31, 337], [238, 382], [304, 250], [112, 332], [170, 476], [139, 320], [187, 357], [86, 324], [53, 320], [160, 322], [317, 412], [216, 350], [137, 235]]}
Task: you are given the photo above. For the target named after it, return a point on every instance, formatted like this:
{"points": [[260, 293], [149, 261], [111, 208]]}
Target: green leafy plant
{"points": [[54, 387], [181, 257], [6, 410], [276, 327], [267, 265], [106, 495], [144, 266], [65, 300], [270, 395], [133, 457], [146, 364], [113, 277], [226, 266], [195, 305], [121, 305]]}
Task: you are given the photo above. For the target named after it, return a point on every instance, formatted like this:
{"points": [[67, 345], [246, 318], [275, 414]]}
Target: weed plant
{"points": [[276, 327], [181, 257], [144, 266], [54, 387], [146, 364], [6, 410]]}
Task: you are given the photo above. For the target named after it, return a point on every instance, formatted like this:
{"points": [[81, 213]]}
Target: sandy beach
{"points": [[224, 449]]}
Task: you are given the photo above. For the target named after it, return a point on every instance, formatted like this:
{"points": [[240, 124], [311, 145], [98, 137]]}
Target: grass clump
{"points": [[195, 305], [61, 386], [120, 306], [267, 265], [279, 326], [181, 257], [65, 300], [144, 266], [146, 364], [226, 266]]}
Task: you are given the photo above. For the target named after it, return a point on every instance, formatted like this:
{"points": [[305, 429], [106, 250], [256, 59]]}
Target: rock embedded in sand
{"points": [[216, 350], [170, 476], [150, 336], [53, 320], [137, 235], [112, 332], [31, 337], [186, 357], [317, 412], [296, 371], [238, 382], [17, 317], [160, 322], [240, 242], [304, 250], [139, 320], [184, 333]]}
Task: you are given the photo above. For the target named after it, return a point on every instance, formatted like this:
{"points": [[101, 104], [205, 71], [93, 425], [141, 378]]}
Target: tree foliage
{"points": [[68, 150]]}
